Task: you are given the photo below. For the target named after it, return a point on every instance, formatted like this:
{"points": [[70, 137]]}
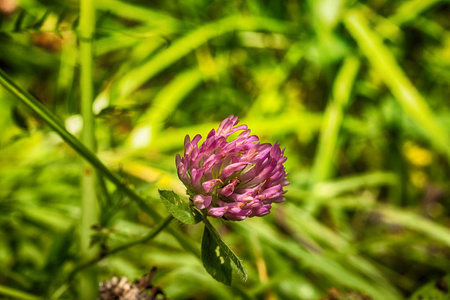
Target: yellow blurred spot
{"points": [[418, 178], [205, 61], [262, 40], [416, 155], [162, 179]]}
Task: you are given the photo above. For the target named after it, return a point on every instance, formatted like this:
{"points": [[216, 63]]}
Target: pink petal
{"points": [[209, 185], [202, 201], [217, 212], [230, 169]]}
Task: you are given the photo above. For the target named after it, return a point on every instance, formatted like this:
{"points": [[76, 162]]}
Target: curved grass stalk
{"points": [[138, 76], [144, 239], [333, 117], [16, 294], [89, 156], [411, 10], [149, 125], [332, 123], [73, 142], [384, 62]]}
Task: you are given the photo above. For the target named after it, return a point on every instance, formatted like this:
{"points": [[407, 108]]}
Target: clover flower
{"points": [[236, 179]]}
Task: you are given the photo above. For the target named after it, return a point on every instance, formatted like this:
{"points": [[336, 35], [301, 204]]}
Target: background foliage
{"points": [[357, 92]]}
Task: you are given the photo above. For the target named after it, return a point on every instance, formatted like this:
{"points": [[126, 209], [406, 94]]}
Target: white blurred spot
{"points": [[329, 11], [141, 137], [74, 124], [262, 40], [100, 103]]}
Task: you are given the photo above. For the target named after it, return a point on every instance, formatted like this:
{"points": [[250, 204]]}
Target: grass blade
{"points": [[417, 223], [79, 147], [150, 123], [333, 117], [410, 10], [138, 76], [321, 264], [15, 294], [84, 152], [383, 61]]}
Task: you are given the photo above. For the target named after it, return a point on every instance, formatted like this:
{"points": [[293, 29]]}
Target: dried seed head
{"points": [[115, 289]]}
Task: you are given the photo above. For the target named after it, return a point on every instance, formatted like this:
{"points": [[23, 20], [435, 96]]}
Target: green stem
{"points": [[89, 201], [89, 156], [323, 167], [142, 240], [332, 121], [73, 142]]}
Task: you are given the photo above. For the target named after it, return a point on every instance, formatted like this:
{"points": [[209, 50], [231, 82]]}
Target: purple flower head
{"points": [[232, 179]]}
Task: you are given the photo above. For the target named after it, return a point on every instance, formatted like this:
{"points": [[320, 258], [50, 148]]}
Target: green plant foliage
{"points": [[437, 289], [96, 98]]}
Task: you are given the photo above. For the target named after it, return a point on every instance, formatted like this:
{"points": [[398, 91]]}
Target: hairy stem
{"points": [[142, 240]]}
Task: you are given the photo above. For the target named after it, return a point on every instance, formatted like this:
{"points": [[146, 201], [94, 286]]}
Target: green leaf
{"points": [[215, 259], [41, 21], [224, 249], [179, 209], [19, 21], [16, 294], [436, 290]]}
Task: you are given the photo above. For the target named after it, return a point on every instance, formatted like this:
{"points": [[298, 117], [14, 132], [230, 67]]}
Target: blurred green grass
{"points": [[356, 91]]}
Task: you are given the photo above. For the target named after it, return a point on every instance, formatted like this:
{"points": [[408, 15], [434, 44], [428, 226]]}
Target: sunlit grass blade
{"points": [[302, 223], [46, 217], [143, 171], [417, 223], [333, 188], [383, 61], [138, 76], [135, 12], [411, 9], [320, 263], [150, 124], [332, 121], [16, 294], [79, 147], [84, 152], [285, 123]]}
